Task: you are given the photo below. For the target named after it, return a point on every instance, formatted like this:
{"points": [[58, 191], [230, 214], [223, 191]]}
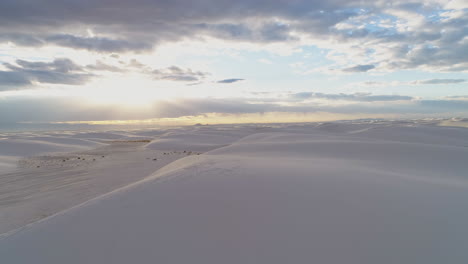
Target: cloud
{"points": [[136, 64], [26, 74], [445, 105], [194, 84], [10, 80], [350, 36], [21, 39], [32, 109], [407, 83], [263, 32], [440, 81], [71, 109], [359, 68], [358, 97], [59, 71], [230, 80], [100, 44], [175, 73], [63, 65], [101, 66], [430, 35], [95, 44]]}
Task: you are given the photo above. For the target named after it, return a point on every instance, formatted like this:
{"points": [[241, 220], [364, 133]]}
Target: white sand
{"points": [[351, 192], [39, 177]]}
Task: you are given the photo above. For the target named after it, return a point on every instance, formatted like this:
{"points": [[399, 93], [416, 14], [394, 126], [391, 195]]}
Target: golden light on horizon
{"points": [[217, 118]]}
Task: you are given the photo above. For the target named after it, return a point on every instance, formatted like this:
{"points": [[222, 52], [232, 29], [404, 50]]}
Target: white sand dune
{"points": [[420, 134], [198, 139], [12, 150], [8, 163], [42, 173], [99, 135], [31, 147], [43, 185], [351, 193]]}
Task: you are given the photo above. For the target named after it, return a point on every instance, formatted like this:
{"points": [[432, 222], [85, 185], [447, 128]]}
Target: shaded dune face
{"points": [[287, 195]]}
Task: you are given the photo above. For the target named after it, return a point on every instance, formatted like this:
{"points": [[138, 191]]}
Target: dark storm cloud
{"points": [[230, 80]]}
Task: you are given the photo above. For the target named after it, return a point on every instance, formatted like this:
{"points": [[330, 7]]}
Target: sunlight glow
{"points": [[129, 89]]}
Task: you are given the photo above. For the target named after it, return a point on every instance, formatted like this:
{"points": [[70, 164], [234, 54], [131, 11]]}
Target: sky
{"points": [[200, 61]]}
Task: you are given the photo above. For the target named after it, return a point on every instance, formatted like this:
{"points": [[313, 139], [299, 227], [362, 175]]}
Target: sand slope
{"points": [[13, 149], [289, 195]]}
